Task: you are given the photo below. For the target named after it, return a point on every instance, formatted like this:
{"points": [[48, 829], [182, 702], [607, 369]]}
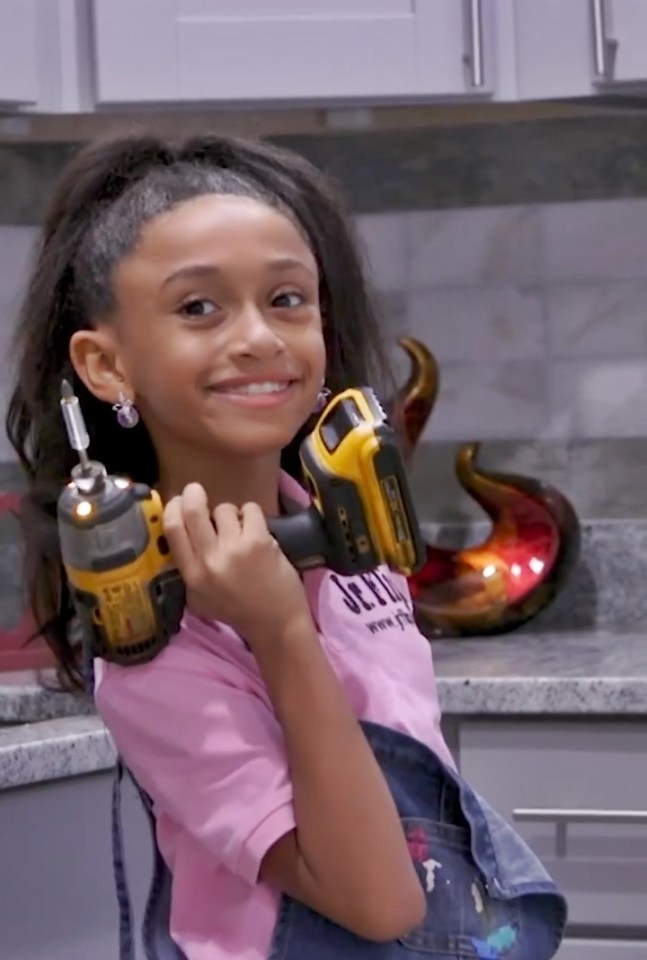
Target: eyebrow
{"points": [[205, 270]]}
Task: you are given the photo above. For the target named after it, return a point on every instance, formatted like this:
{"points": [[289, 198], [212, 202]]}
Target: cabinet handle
{"points": [[626, 817], [474, 56], [604, 48]]}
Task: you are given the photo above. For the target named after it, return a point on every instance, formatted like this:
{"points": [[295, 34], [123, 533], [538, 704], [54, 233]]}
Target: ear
{"points": [[97, 363]]}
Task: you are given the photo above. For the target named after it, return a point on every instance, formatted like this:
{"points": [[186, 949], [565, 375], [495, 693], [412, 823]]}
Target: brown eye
{"points": [[289, 299], [198, 308]]}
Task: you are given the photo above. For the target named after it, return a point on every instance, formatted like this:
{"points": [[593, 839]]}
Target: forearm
{"points": [[351, 846]]}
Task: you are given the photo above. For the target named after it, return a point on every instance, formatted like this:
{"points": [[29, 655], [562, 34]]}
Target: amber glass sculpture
{"points": [[534, 541]]}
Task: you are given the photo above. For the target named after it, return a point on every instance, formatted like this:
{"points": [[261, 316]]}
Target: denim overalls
{"points": [[488, 897]]}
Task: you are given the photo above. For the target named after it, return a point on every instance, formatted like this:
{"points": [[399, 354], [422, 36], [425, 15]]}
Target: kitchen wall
{"points": [[530, 290], [537, 314]]}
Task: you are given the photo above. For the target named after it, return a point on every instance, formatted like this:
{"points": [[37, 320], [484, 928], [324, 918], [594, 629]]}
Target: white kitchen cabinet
{"points": [[18, 41], [622, 40], [44, 56], [602, 950], [183, 51], [75, 55], [577, 792], [579, 48]]}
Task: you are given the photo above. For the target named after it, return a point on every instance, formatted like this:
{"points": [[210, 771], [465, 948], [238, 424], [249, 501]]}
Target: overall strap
{"points": [[126, 943], [157, 941], [156, 936]]}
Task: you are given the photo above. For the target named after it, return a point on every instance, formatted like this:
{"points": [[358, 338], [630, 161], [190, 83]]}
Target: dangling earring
{"points": [[127, 413], [322, 399]]}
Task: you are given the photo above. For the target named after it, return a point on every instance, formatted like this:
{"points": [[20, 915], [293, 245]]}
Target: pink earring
{"points": [[127, 413], [322, 399]]}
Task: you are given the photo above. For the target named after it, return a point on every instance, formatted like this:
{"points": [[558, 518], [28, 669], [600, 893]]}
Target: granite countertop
{"points": [[561, 673], [48, 735], [53, 750], [27, 696]]}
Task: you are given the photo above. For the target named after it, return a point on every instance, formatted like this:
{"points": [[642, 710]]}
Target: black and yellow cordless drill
{"points": [[125, 587]]}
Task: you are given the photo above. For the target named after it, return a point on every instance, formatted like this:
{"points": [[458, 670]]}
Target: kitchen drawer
{"points": [[602, 950], [577, 793]]}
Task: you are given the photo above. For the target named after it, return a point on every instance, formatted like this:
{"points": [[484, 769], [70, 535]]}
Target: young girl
{"points": [[203, 298]]}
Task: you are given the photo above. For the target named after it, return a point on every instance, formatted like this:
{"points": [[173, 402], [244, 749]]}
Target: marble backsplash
{"points": [[536, 314], [604, 479]]}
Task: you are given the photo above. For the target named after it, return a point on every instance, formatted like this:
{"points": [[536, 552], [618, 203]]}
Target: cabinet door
{"points": [[579, 48], [287, 50], [602, 950], [577, 793], [554, 47], [456, 45], [18, 73], [621, 39]]}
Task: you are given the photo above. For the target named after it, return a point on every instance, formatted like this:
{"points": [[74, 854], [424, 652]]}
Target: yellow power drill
{"points": [[125, 587]]}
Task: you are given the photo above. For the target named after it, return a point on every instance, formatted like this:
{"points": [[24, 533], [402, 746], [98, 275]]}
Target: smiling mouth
{"points": [[257, 395], [259, 388]]}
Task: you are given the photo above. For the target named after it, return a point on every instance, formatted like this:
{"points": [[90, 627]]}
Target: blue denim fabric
{"points": [[488, 896], [156, 936]]}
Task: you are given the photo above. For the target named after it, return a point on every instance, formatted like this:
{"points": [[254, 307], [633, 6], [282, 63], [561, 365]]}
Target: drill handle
{"points": [[302, 538]]}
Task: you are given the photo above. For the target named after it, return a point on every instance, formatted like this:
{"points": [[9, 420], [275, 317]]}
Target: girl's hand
{"points": [[233, 568]]}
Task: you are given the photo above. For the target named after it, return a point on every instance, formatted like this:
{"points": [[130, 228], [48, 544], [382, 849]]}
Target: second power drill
{"points": [[126, 590]]}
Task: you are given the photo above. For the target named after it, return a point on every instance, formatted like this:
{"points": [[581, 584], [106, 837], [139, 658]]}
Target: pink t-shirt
{"points": [[196, 728]]}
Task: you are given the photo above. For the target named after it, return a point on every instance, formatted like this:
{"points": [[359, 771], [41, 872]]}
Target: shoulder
{"points": [[205, 668]]}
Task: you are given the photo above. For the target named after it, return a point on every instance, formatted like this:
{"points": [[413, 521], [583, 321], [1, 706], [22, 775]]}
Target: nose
{"points": [[254, 337]]}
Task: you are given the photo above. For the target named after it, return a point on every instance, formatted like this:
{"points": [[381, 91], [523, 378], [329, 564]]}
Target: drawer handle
{"points": [[604, 47], [474, 57], [548, 815]]}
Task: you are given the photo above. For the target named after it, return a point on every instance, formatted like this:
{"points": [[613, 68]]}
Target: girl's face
{"points": [[218, 331]]}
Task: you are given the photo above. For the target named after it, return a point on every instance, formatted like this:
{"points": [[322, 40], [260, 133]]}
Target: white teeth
{"points": [[269, 387]]}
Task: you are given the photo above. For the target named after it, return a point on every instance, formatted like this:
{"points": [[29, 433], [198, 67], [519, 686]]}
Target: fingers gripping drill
{"points": [[125, 587]]}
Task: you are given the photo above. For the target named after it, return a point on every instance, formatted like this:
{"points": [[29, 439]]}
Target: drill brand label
{"points": [[127, 613]]}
